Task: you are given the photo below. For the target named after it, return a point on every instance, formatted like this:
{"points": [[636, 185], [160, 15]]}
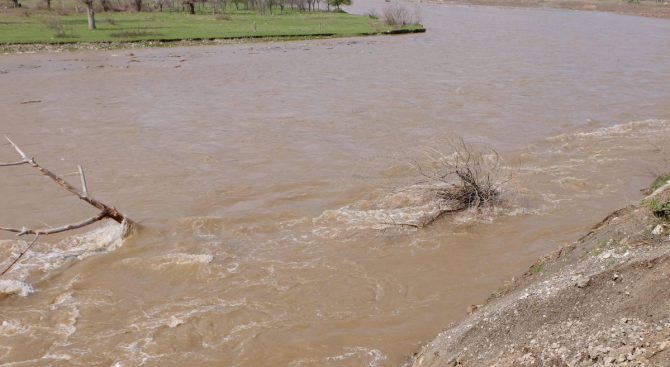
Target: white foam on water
{"points": [[628, 129], [182, 259], [10, 327], [168, 260], [361, 352], [44, 256], [9, 287], [62, 356]]}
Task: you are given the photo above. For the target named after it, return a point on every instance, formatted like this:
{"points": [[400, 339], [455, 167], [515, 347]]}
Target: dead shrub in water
{"points": [[467, 177], [457, 177], [398, 15]]}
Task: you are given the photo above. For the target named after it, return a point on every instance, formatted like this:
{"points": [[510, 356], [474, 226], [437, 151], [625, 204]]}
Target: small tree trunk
{"points": [[16, 4], [91, 15], [191, 8], [49, 5]]}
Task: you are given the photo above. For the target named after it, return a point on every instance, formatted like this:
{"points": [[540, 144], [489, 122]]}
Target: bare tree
{"points": [[397, 14], [222, 4], [106, 5], [83, 194], [90, 13], [160, 3], [191, 6]]}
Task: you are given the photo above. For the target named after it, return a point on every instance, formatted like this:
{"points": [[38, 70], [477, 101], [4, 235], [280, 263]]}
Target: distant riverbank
{"points": [[33, 28], [650, 9]]}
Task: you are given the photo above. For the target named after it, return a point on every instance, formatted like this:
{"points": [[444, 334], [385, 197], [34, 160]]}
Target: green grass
{"points": [[658, 182], [660, 210], [17, 28], [538, 268]]}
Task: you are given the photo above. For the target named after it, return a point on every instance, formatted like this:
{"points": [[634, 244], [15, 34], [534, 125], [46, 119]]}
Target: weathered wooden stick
{"points": [[112, 212], [24, 231], [106, 211], [14, 164], [21, 255], [83, 180]]}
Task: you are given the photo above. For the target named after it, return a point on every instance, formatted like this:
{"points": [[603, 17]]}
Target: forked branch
{"points": [[105, 211]]}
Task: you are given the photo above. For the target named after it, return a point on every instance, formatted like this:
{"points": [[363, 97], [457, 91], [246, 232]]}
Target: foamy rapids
{"points": [[44, 256]]}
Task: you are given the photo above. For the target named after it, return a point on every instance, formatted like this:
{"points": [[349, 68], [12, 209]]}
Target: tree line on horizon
{"points": [[216, 6]]}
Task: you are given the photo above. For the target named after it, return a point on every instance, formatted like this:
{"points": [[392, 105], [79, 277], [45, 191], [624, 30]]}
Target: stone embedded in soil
{"points": [[657, 230], [582, 282]]}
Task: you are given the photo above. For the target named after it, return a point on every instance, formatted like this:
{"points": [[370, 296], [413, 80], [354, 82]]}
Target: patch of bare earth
{"points": [[601, 301]]}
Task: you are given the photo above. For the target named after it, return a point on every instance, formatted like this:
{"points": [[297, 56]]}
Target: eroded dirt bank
{"points": [[600, 301]]}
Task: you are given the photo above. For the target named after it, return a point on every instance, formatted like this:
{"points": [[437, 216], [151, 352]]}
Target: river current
{"points": [[260, 176]]}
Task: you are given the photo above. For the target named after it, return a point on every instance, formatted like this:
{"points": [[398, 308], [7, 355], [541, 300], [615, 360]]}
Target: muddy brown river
{"points": [[257, 174]]}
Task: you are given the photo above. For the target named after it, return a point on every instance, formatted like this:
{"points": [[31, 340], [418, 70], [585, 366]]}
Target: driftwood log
{"points": [[83, 194]]}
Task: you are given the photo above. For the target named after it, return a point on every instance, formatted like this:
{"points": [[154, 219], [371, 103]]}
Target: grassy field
{"points": [[28, 24]]}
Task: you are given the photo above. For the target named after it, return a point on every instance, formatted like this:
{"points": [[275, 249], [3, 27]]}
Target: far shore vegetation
{"points": [[90, 21]]}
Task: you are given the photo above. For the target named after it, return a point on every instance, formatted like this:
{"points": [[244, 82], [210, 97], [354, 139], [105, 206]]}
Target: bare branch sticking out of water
{"points": [[105, 211], [462, 176]]}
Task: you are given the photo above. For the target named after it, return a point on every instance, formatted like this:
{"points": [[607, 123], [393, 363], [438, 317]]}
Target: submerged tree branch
{"points": [[106, 211], [112, 212], [68, 227], [21, 255]]}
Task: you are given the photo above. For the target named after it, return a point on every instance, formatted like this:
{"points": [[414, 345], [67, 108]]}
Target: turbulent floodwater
{"points": [[255, 171]]}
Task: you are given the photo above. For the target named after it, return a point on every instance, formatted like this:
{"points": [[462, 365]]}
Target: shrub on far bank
{"points": [[135, 33], [398, 15], [61, 32], [62, 11]]}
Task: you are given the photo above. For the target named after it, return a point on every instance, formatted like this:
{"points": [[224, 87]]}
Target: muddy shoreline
{"points": [[600, 301]]}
